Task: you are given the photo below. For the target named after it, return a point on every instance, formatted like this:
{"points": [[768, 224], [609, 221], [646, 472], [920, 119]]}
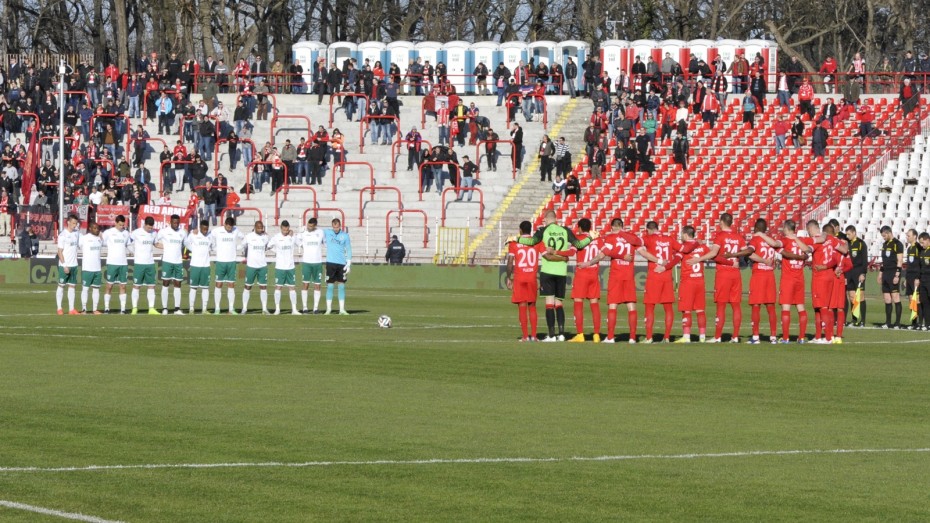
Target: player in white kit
{"points": [[284, 244], [311, 265], [199, 244], [117, 240], [256, 266], [91, 247], [171, 241], [143, 270], [226, 241], [68, 240]]}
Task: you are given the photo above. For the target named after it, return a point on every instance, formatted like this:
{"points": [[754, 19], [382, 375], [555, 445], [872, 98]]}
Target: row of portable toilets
{"points": [[461, 58]]}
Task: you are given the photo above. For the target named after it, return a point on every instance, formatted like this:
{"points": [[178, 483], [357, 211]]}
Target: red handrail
{"points": [[513, 156], [86, 97], [216, 151], [534, 96], [276, 117], [117, 117], [457, 189], [344, 95], [373, 188], [248, 177], [240, 209], [342, 168], [277, 205], [274, 100], [430, 164], [363, 128], [316, 212], [161, 172], [400, 213], [395, 152]]}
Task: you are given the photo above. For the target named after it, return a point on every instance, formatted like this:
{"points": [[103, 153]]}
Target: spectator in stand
{"points": [[469, 169], [710, 110], [909, 66], [571, 74], [866, 116], [885, 77], [681, 150], [650, 125], [289, 157], [563, 158], [546, 155], [442, 123], [644, 153], [828, 72], [806, 97], [572, 187], [782, 90], [749, 110], [28, 243], [211, 197], [782, 128], [490, 149], [797, 132], [740, 71], [7, 208], [413, 139], [232, 143], [558, 186], [819, 138], [502, 81], [908, 96], [317, 156], [592, 137], [481, 79], [829, 111], [557, 77], [758, 90], [245, 144], [793, 73], [516, 136]]}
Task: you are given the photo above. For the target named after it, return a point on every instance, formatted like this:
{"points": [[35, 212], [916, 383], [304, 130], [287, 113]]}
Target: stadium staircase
{"points": [[735, 169]]}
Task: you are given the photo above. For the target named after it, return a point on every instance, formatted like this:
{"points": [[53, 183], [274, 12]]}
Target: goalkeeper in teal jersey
{"points": [[553, 269]]}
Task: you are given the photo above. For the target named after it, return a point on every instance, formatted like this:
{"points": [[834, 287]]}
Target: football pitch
{"points": [[445, 417]]}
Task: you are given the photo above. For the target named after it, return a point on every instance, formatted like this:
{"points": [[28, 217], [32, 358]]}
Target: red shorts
{"points": [[524, 291], [762, 288], [692, 295], [792, 289], [822, 289], [621, 291], [838, 300], [728, 286], [659, 289], [586, 285]]}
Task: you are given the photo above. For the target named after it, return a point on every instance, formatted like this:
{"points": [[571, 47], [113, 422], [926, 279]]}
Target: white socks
{"points": [[95, 293], [164, 297], [59, 295], [263, 295], [246, 293], [71, 298], [231, 296], [150, 295], [217, 298], [303, 298], [135, 297], [316, 298], [84, 298]]}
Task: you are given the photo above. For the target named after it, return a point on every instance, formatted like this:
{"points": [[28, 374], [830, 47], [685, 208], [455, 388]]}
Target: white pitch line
{"points": [[461, 461], [57, 513]]}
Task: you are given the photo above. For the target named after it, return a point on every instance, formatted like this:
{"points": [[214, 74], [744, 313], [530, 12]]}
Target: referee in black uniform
{"points": [[912, 272], [923, 291], [890, 277], [855, 278]]}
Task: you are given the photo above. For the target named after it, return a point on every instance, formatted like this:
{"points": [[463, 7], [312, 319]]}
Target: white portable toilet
{"points": [[487, 53], [308, 52], [726, 50], [646, 48], [374, 52], [428, 51], [701, 49], [615, 57], [679, 51], [459, 64], [340, 51], [400, 53], [542, 51], [512, 53], [769, 52]]}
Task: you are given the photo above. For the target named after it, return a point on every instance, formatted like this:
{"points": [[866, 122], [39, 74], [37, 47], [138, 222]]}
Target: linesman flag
{"points": [[857, 301], [915, 302]]}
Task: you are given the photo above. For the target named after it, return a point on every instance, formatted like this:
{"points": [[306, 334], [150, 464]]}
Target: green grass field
{"points": [[362, 408]]}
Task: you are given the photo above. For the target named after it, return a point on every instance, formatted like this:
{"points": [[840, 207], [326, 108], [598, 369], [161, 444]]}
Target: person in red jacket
{"points": [[828, 71], [866, 116], [782, 128], [806, 97]]}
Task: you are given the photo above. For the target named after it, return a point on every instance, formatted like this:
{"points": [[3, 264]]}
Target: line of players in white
{"points": [[224, 241]]}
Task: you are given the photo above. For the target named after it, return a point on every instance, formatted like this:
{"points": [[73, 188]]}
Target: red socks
{"points": [[786, 324], [633, 318], [521, 308], [802, 319], [596, 316], [771, 310], [702, 322], [533, 321], [669, 320], [579, 316], [756, 319], [818, 324], [737, 319], [686, 323], [611, 322], [840, 322], [827, 316], [650, 319], [719, 320]]}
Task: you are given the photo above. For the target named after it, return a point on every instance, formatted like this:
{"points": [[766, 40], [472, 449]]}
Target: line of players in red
{"points": [[829, 262]]}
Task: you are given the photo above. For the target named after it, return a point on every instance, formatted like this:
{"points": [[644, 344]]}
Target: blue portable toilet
{"points": [[428, 51], [373, 51], [577, 51], [457, 58], [307, 52], [340, 51], [513, 53], [542, 51], [487, 53]]}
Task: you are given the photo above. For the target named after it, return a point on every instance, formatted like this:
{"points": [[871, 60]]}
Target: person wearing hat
{"points": [[396, 252]]}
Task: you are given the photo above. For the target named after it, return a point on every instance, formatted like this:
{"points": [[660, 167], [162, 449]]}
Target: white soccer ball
{"points": [[384, 321]]}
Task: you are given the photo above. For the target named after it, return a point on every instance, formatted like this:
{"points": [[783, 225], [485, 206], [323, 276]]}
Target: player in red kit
{"points": [[762, 282], [844, 264], [522, 265], [620, 246], [728, 284], [794, 253], [662, 253], [692, 290], [823, 263], [586, 284]]}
